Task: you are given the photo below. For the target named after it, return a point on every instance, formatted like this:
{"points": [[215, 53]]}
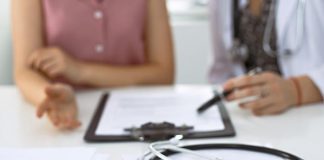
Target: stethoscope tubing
{"points": [[259, 149], [300, 32]]}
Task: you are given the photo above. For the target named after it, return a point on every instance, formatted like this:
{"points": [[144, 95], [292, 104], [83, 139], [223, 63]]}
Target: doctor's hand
{"points": [[275, 94], [54, 63], [60, 106]]}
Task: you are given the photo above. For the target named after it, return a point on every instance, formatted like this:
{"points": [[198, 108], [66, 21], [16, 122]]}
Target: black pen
{"points": [[213, 101], [220, 96]]}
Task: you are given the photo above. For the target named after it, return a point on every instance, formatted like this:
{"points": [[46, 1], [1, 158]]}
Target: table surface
{"points": [[298, 131]]}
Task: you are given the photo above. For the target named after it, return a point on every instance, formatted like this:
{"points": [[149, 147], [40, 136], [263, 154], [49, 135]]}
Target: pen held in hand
{"points": [[213, 101], [219, 97]]}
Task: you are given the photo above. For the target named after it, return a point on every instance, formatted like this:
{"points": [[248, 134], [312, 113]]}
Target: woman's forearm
{"points": [[27, 37], [101, 75], [32, 85]]}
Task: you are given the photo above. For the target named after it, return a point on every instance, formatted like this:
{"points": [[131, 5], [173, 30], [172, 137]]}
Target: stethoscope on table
{"points": [[239, 51], [164, 150]]}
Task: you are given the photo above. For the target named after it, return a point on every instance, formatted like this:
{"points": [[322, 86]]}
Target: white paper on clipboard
{"points": [[126, 109]]}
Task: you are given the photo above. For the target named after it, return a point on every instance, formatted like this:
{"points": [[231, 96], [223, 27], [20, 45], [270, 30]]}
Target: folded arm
{"points": [[157, 69], [57, 101]]}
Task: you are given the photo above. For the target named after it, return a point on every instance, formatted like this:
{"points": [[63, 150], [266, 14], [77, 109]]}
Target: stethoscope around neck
{"points": [[239, 51]]}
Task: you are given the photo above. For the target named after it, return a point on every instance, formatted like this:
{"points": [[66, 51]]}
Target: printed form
{"points": [[126, 109]]}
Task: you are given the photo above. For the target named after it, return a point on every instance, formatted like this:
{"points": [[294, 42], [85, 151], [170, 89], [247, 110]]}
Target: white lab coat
{"points": [[308, 60]]}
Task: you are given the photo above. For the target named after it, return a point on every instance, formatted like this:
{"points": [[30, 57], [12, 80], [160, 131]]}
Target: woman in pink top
{"points": [[93, 43]]}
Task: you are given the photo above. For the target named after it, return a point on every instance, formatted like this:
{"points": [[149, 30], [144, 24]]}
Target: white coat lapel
{"points": [[285, 11]]}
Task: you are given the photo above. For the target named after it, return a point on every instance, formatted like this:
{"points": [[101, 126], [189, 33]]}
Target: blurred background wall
{"points": [[5, 44], [189, 19]]}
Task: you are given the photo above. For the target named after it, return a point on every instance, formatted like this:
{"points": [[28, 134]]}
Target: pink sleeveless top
{"points": [[103, 31]]}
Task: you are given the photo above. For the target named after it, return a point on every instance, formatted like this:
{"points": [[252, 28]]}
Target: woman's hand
{"points": [[54, 62], [275, 93], [60, 106]]}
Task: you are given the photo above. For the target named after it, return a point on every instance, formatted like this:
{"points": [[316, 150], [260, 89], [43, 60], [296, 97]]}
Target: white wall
{"points": [[5, 44], [192, 46]]}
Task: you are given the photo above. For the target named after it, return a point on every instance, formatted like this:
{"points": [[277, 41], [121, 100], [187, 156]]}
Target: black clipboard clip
{"points": [[158, 131]]}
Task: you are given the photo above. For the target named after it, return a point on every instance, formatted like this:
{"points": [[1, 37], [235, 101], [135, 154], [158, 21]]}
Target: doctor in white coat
{"points": [[299, 26]]}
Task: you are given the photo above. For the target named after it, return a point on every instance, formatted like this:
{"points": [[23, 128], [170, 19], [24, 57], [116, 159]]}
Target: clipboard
{"points": [[91, 136]]}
